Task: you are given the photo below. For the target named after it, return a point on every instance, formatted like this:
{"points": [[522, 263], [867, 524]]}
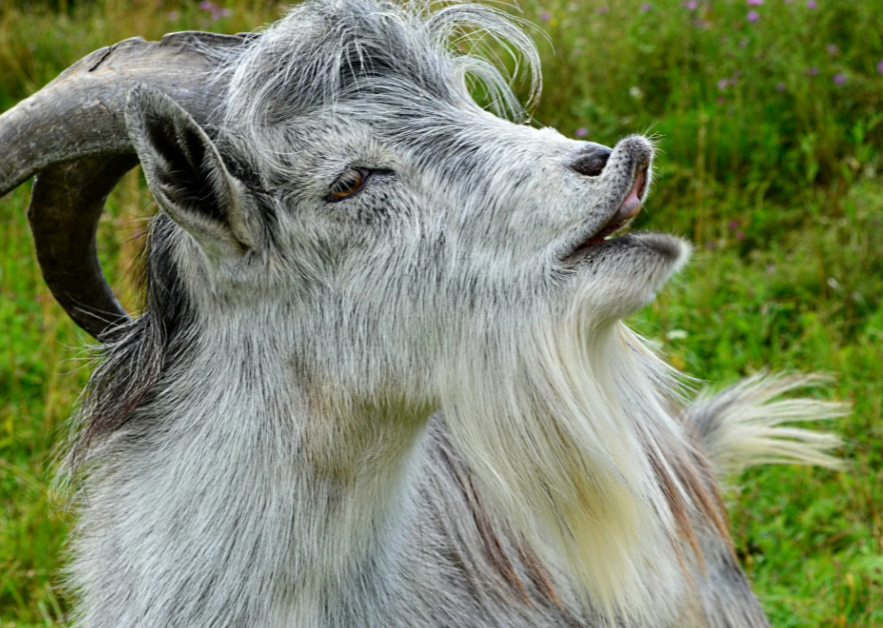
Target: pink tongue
{"points": [[632, 203]]}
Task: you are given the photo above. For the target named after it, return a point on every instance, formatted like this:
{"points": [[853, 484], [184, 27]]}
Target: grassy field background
{"points": [[769, 115]]}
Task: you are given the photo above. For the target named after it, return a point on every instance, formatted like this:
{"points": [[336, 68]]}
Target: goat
{"points": [[381, 378]]}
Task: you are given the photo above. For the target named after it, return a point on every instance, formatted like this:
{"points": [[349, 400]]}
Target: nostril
{"points": [[592, 163]]}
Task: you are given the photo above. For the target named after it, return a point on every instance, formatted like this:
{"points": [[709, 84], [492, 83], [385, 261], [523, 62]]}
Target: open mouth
{"points": [[628, 209]]}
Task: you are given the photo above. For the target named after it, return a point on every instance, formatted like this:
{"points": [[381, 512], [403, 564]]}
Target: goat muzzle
{"points": [[72, 135]]}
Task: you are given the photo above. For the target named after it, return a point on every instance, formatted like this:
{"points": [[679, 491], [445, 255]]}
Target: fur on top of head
{"points": [[338, 51]]}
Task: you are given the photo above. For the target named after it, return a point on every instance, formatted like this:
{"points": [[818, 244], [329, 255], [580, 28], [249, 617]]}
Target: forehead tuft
{"points": [[326, 53]]}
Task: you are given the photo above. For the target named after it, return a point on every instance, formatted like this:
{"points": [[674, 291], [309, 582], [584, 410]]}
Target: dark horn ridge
{"points": [[72, 134]]}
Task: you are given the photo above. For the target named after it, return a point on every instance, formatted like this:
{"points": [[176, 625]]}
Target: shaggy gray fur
{"points": [[354, 251]]}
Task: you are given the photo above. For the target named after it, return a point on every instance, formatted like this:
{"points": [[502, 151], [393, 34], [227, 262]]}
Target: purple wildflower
{"points": [[755, 3], [880, 67], [722, 84], [691, 5], [711, 246], [646, 7], [545, 17], [721, 100], [780, 87], [581, 132], [734, 224], [740, 235], [752, 16], [813, 71], [839, 78], [812, 4], [216, 11], [832, 49], [603, 10], [172, 15]]}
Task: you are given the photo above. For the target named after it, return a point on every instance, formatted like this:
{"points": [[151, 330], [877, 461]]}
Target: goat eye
{"points": [[348, 184]]}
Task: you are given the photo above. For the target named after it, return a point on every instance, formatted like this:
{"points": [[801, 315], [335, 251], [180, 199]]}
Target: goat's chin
{"points": [[553, 418], [619, 276]]}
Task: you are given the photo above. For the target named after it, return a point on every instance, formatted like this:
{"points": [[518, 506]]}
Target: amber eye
{"points": [[349, 183]]}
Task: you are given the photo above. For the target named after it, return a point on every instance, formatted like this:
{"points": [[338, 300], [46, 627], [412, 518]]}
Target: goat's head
{"points": [[372, 180], [332, 174]]}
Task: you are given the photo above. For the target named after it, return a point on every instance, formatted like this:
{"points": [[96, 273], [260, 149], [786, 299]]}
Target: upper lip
{"points": [[627, 209]]}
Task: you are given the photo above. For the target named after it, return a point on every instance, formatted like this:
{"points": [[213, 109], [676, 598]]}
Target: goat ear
{"points": [[185, 172]]}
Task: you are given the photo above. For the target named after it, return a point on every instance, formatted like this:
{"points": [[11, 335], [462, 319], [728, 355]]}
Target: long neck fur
{"points": [[233, 487], [237, 484]]}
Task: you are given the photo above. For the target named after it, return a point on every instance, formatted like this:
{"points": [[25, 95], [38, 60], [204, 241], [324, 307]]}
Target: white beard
{"points": [[573, 434]]}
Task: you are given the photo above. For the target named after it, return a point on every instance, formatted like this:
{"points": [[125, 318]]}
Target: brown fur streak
{"points": [[506, 559], [495, 554], [690, 489], [541, 578]]}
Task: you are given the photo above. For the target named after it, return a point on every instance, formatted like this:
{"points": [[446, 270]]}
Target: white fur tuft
{"points": [[742, 427]]}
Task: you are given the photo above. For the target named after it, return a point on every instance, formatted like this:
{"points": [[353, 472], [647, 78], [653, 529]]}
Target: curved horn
{"points": [[72, 133]]}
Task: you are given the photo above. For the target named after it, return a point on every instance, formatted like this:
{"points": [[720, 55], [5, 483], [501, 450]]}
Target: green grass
{"points": [[769, 166]]}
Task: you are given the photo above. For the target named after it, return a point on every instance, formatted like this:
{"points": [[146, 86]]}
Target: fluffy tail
{"points": [[741, 427]]}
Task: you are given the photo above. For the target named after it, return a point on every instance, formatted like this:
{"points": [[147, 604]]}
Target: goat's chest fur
{"points": [[210, 527]]}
